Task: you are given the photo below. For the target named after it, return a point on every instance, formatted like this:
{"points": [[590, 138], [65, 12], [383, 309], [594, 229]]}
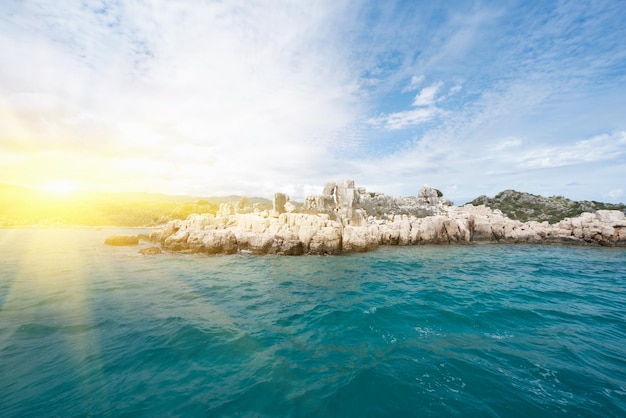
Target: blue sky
{"points": [[254, 97]]}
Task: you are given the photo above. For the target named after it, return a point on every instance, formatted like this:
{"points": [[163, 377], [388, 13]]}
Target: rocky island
{"points": [[346, 218]]}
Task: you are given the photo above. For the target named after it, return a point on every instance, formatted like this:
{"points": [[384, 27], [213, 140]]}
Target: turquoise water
{"points": [[481, 330]]}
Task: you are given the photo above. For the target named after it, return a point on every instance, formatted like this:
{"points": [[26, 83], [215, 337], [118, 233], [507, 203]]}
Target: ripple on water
{"points": [[435, 331]]}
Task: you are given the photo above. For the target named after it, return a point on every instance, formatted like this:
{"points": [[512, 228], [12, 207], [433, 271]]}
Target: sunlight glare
{"points": [[61, 187]]}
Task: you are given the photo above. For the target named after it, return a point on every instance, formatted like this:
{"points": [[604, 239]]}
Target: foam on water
{"points": [[481, 330]]}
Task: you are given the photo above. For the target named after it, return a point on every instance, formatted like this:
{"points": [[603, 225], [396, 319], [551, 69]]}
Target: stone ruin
{"points": [[282, 204], [354, 205], [341, 201], [346, 219], [348, 204]]}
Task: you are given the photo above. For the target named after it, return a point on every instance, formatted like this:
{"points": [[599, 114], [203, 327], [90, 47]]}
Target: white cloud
{"points": [[599, 148], [250, 97], [455, 89], [230, 91], [425, 111], [416, 80], [408, 118], [465, 169], [508, 143], [426, 96]]}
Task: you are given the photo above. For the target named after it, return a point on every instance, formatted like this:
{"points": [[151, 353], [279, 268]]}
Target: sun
{"points": [[61, 187]]}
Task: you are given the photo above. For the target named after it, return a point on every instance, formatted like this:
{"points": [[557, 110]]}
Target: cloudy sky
{"points": [[253, 97]]}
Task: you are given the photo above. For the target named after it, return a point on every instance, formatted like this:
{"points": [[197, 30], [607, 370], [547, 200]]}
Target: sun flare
{"points": [[61, 187]]}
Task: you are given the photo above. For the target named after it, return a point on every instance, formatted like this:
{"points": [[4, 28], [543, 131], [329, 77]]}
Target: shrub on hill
{"points": [[529, 207]]}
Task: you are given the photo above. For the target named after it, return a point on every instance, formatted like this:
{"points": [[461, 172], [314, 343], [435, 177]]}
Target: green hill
{"points": [[529, 207]]}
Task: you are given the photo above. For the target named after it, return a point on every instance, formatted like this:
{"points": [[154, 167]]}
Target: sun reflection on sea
{"points": [[50, 270]]}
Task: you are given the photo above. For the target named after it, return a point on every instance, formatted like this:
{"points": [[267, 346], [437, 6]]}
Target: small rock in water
{"points": [[122, 240], [150, 251]]}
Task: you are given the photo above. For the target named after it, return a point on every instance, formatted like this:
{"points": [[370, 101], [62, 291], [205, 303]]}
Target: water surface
{"points": [[480, 330]]}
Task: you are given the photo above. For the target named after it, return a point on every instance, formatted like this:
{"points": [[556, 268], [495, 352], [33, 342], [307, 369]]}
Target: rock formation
{"points": [[348, 219], [341, 201], [529, 207], [119, 240], [150, 251]]}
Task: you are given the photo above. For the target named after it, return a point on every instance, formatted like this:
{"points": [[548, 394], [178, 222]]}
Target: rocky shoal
{"points": [[298, 233], [346, 219]]}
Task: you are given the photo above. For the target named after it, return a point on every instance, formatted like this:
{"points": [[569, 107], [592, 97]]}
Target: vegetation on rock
{"points": [[529, 207]]}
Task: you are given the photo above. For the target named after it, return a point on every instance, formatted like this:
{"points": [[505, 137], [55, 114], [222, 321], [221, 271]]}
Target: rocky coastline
{"points": [[346, 219]]}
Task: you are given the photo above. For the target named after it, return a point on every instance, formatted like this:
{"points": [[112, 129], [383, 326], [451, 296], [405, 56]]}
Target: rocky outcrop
{"points": [[428, 202], [150, 251], [354, 204], [342, 202], [288, 234], [336, 222], [529, 207]]}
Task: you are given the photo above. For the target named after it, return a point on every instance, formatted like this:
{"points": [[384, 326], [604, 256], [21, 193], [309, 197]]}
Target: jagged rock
{"points": [[280, 199], [326, 240], [177, 241], [341, 201], [150, 251], [329, 189], [220, 241], [319, 204], [282, 246], [613, 217], [436, 230], [341, 225], [252, 222], [195, 221], [255, 243], [428, 195], [427, 203], [290, 207], [359, 239], [168, 230]]}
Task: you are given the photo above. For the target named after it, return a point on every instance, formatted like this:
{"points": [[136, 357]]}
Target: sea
{"points": [[480, 330]]}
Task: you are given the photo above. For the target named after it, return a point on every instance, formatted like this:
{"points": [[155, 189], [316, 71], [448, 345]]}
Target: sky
{"points": [[208, 98]]}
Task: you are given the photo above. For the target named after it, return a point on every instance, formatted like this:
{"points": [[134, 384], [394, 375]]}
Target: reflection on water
{"points": [[477, 330]]}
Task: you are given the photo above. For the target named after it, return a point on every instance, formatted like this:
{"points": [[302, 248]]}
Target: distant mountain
{"points": [[529, 207], [10, 191], [23, 206], [236, 198]]}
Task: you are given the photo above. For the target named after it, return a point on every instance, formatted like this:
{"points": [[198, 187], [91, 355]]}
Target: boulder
{"points": [[359, 239], [150, 251], [195, 221], [168, 230], [177, 241], [326, 240], [611, 217], [220, 241], [254, 242], [284, 246]]}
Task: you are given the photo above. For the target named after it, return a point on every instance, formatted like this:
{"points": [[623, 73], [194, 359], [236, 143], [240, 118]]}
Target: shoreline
{"points": [[320, 234], [78, 227]]}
